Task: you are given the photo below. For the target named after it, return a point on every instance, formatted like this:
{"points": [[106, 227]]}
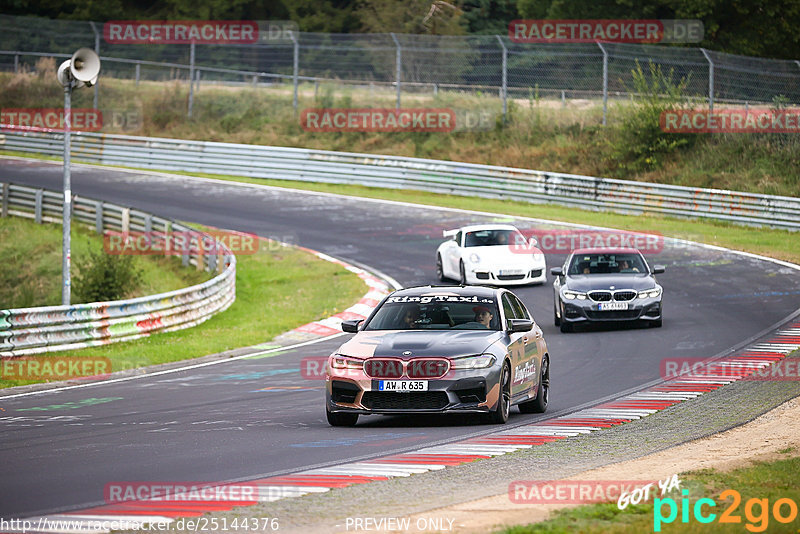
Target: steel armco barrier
{"points": [[26, 331], [411, 173]]}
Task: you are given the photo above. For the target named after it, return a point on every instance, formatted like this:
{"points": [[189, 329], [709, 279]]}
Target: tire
{"points": [[439, 270], [463, 273], [500, 414], [341, 418], [566, 327], [556, 318], [539, 404]]}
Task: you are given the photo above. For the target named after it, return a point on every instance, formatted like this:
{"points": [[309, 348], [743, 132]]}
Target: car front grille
{"points": [[620, 295], [415, 400], [510, 276], [383, 368], [624, 295], [600, 296], [612, 315]]}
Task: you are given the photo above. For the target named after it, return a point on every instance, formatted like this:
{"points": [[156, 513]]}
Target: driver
{"points": [[483, 315], [410, 317]]}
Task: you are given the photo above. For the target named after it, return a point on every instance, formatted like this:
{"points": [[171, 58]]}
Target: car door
{"points": [[516, 348], [454, 256], [533, 346]]}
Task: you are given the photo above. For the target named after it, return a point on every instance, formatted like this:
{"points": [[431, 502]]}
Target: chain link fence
{"points": [[414, 64]]}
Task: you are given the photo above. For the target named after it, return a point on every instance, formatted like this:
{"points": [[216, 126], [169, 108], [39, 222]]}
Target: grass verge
{"points": [[766, 482], [277, 289], [31, 273]]}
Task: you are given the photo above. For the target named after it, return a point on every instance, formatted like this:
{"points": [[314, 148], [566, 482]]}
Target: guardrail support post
{"points": [[16, 63], [125, 220], [504, 86], [98, 217], [37, 210], [148, 223], [398, 67], [605, 83], [4, 207], [138, 72], [191, 78], [295, 68], [710, 79]]}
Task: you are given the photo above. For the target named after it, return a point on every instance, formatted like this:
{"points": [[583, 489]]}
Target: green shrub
{"points": [[640, 142], [102, 277]]}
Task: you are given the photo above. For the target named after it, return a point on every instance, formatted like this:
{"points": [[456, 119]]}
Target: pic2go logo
{"points": [[756, 511]]}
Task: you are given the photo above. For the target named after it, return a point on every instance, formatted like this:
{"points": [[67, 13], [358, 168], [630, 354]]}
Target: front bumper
{"points": [[579, 311], [468, 391], [481, 274]]}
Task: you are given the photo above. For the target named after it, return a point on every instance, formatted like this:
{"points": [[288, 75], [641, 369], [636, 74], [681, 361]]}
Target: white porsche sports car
{"points": [[493, 254]]}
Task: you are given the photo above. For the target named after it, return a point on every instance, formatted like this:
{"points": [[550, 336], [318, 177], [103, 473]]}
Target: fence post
{"points": [[138, 72], [4, 206], [399, 62], [197, 78], [96, 51], [504, 87], [605, 83], [798, 62], [710, 79], [191, 78], [295, 69], [16, 63]]}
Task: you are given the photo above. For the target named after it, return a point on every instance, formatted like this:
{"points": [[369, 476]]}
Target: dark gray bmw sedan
{"points": [[611, 284]]}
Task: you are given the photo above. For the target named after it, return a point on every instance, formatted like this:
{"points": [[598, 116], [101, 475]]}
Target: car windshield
{"points": [[488, 238], [630, 263], [436, 312]]}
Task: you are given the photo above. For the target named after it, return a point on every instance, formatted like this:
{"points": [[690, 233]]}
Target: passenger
{"points": [[410, 317], [483, 316]]}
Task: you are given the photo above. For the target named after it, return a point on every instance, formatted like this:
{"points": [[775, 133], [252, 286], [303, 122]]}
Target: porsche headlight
{"points": [[473, 362], [571, 295], [340, 361], [650, 293], [474, 258]]}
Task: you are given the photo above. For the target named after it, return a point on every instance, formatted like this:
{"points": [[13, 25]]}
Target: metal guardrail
{"points": [[26, 331], [412, 173]]}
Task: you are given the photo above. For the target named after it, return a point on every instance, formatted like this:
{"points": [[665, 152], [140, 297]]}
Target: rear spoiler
{"points": [[450, 233]]}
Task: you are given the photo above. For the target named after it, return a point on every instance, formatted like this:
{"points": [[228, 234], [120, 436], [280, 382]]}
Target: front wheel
{"points": [[539, 404], [439, 268], [500, 414], [341, 418]]}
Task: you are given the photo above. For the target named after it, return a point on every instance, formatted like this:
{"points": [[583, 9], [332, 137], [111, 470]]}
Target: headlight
{"points": [[339, 361], [474, 258], [569, 295], [650, 293], [473, 362]]}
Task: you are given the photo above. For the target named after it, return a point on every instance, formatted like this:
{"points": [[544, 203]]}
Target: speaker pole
{"points": [[67, 206]]}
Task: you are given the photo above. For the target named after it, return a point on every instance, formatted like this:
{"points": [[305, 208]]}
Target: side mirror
{"points": [[520, 325], [557, 271], [658, 269], [351, 326]]}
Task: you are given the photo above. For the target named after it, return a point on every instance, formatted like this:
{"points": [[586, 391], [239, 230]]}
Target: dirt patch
{"points": [[759, 440]]}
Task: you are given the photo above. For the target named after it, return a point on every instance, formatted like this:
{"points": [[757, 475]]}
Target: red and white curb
{"points": [[623, 410]]}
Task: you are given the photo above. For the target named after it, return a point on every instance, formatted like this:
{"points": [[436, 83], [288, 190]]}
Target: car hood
{"points": [[444, 343], [592, 282], [504, 254]]}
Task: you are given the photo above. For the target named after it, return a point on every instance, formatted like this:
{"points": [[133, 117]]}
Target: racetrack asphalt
{"points": [[259, 417]]}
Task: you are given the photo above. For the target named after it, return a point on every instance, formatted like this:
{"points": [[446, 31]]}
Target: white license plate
{"points": [[609, 306], [402, 385], [511, 272]]}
